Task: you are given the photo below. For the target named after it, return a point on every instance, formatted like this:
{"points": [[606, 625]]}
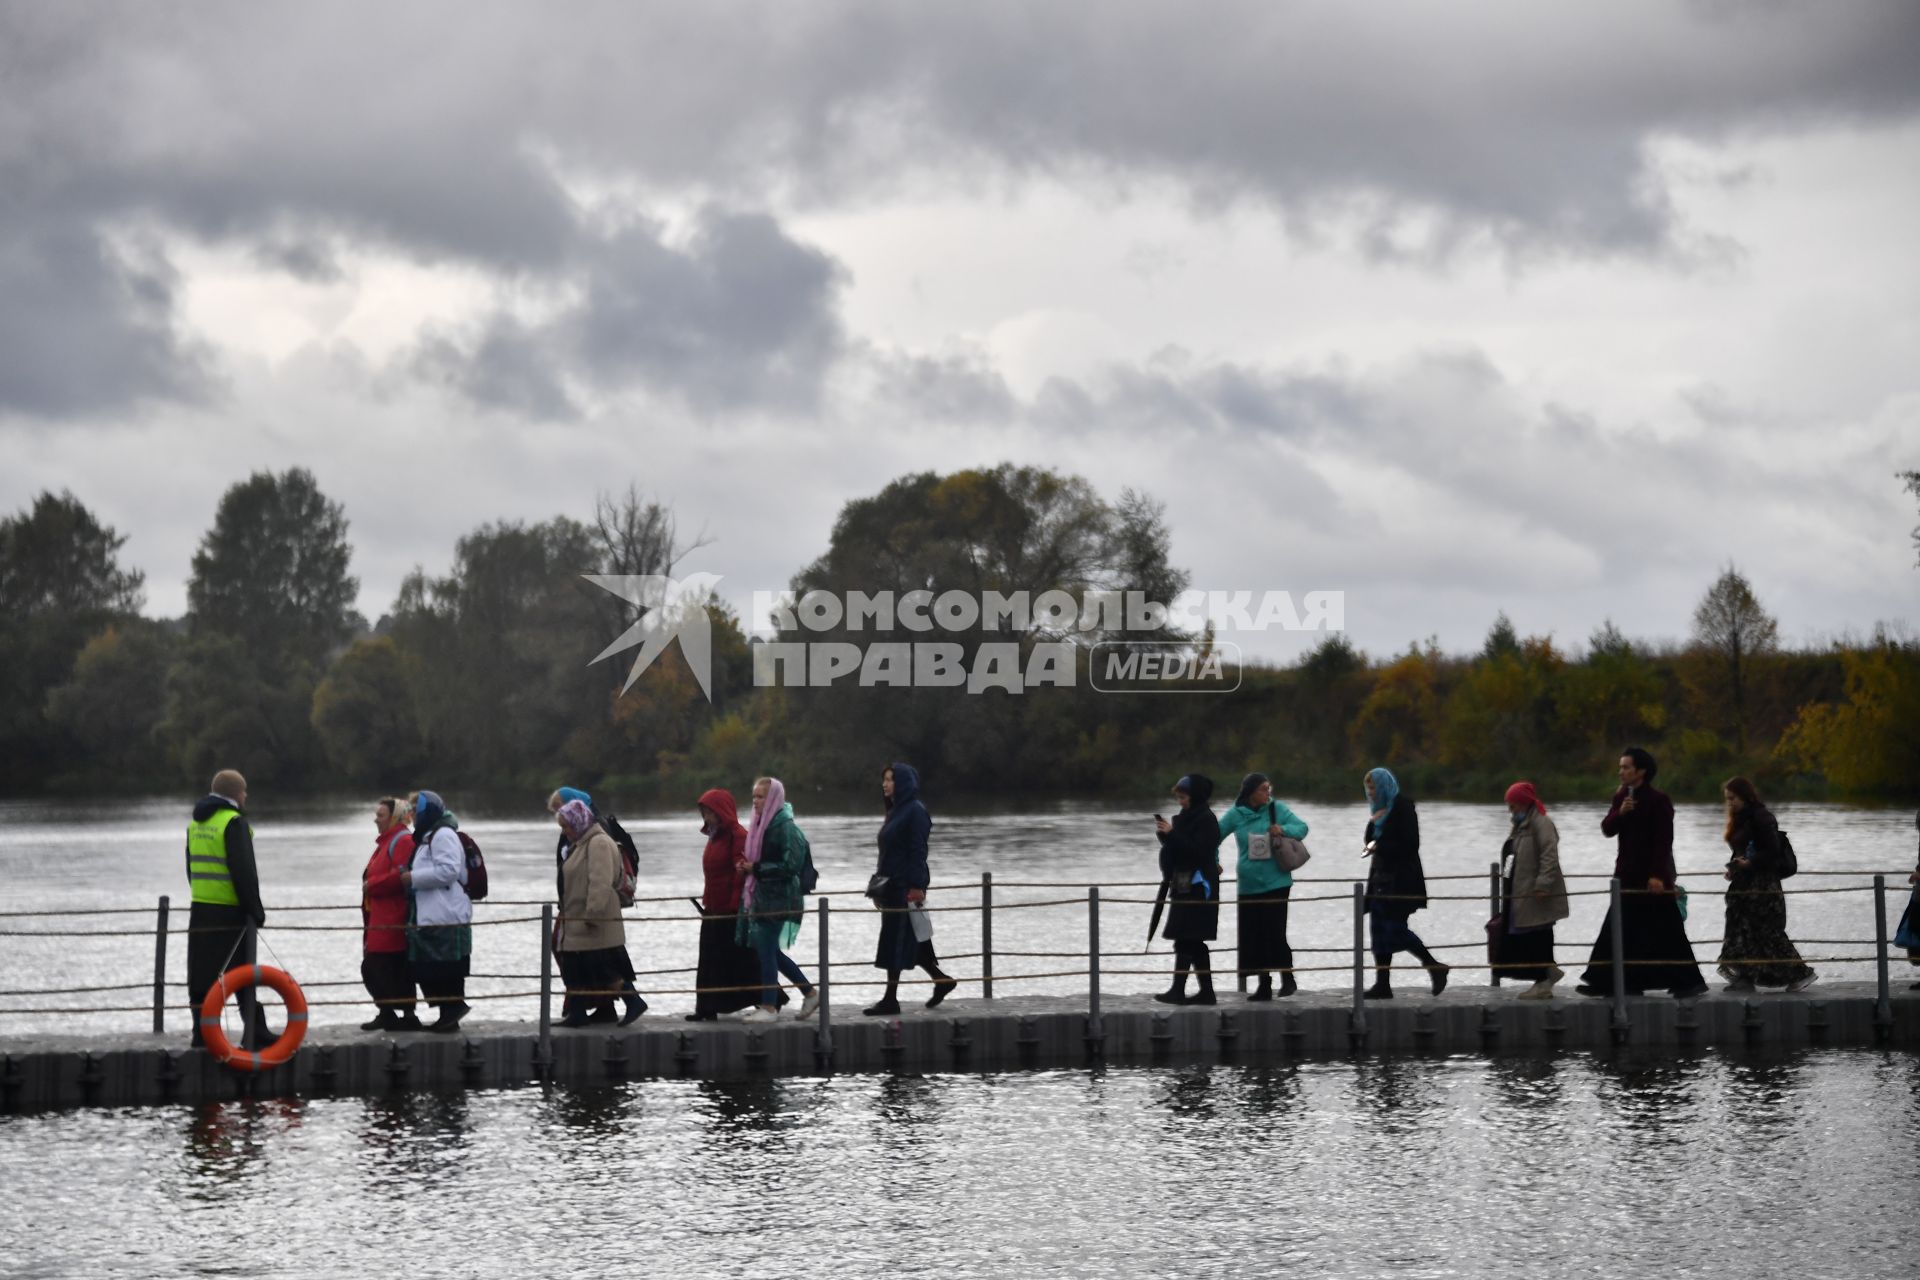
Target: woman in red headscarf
{"points": [[729, 974], [1535, 897]]}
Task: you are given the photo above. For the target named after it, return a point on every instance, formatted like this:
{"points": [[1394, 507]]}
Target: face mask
{"points": [[1522, 816]]}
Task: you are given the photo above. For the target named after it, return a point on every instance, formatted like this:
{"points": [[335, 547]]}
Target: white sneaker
{"points": [[757, 1014], [811, 1005], [1541, 990], [1803, 983]]}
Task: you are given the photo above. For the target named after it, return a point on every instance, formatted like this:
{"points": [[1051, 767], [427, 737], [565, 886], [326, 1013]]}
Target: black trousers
{"points": [[388, 976], [219, 942], [443, 982]]}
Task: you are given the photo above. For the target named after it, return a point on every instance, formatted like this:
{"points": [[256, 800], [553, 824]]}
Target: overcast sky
{"points": [[1457, 308]]}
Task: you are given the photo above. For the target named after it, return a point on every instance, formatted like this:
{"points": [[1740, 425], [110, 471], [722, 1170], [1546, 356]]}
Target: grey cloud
{"points": [[953, 387], [442, 131], [82, 328], [741, 316]]}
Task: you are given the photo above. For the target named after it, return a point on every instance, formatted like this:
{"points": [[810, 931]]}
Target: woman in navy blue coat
{"points": [[903, 862]]}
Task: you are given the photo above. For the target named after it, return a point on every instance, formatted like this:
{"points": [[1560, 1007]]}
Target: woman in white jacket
{"points": [[440, 933]]}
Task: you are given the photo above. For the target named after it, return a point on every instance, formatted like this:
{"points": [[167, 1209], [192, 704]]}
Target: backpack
{"points": [[629, 858], [1789, 863], [476, 868], [809, 876]]}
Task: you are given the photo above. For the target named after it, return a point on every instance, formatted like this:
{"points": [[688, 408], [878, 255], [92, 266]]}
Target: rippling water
{"points": [[1707, 1164]]}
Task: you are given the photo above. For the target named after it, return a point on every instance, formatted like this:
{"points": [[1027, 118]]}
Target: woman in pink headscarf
{"points": [[1535, 896], [776, 857]]}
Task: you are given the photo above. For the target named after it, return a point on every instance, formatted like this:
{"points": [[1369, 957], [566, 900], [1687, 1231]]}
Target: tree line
{"points": [[486, 677]]}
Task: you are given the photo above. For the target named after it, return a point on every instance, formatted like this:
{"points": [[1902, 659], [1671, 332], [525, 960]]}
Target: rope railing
{"points": [[1090, 900]]}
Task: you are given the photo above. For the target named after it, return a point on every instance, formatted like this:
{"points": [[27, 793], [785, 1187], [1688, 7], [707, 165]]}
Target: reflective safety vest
{"points": [[207, 871]]}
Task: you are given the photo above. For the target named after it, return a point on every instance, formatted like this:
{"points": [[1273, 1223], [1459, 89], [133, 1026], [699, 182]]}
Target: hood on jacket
{"points": [[211, 805], [1249, 785], [1199, 788], [723, 806], [906, 784]]}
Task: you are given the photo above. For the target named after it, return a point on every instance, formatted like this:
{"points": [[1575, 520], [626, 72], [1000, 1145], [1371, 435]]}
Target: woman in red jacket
{"points": [[724, 963], [383, 908]]}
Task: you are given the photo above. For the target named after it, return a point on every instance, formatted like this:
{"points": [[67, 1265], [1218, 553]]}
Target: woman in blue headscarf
{"points": [[900, 882], [1396, 883]]}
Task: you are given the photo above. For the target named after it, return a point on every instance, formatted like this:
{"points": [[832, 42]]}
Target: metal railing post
{"points": [[160, 969], [986, 935], [1359, 1015], [825, 1046], [1493, 898], [546, 990], [1883, 1004], [1094, 1031], [1618, 943]]}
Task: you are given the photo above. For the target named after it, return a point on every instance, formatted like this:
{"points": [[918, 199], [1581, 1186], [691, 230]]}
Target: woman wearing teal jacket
{"points": [[1263, 883]]}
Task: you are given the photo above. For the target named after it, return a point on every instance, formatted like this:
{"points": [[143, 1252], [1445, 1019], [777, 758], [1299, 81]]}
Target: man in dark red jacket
{"points": [[383, 906], [1653, 933]]}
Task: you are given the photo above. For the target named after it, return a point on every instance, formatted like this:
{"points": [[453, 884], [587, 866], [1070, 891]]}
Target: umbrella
{"points": [[1159, 906]]}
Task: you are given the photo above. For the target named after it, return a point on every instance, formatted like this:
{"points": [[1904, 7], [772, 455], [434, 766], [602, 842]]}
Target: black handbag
{"points": [[877, 886]]}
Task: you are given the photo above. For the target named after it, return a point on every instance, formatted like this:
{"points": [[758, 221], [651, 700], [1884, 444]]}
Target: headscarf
{"points": [[1249, 785], [1385, 792], [757, 833], [429, 811], [1185, 784], [1523, 793], [574, 793], [576, 817]]}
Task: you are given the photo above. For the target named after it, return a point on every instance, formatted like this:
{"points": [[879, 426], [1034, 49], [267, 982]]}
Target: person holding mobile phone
{"points": [[1190, 865], [1653, 933]]}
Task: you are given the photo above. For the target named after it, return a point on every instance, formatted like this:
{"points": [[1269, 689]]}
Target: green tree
{"points": [[268, 605], [1735, 633], [364, 713], [272, 573], [115, 702], [60, 583], [1613, 697], [1502, 640], [1008, 529], [1911, 479]]}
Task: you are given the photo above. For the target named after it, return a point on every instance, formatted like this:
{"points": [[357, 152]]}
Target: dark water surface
{"points": [[1712, 1164]]}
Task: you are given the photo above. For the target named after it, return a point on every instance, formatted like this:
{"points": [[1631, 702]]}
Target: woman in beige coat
{"points": [[592, 938], [1535, 897]]}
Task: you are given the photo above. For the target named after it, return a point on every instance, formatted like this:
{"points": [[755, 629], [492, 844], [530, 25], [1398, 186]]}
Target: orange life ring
{"points": [[235, 980]]}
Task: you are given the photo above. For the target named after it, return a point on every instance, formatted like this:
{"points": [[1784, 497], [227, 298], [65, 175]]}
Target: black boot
{"points": [[887, 1007], [1265, 990], [1382, 988], [1439, 974], [1177, 993], [1205, 993], [385, 1020], [449, 1020], [635, 1007], [576, 1018], [409, 1021], [1287, 985]]}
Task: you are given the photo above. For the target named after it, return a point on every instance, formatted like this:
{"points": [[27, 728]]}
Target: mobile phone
{"points": [[1158, 818]]}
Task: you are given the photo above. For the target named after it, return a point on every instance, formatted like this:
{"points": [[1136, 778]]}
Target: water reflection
{"points": [[408, 1137], [228, 1142], [1189, 1093], [1527, 1084]]}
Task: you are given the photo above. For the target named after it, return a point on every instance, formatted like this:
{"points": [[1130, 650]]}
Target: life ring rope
{"points": [[239, 979]]}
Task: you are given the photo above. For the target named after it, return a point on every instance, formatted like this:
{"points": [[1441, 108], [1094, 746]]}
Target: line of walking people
{"points": [[1756, 950]]}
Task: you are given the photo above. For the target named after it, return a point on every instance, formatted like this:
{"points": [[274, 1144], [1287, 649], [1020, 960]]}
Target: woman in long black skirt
{"points": [[901, 880]]}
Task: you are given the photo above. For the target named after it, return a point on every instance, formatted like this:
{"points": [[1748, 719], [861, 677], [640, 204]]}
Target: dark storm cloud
{"points": [[442, 131], [740, 316]]}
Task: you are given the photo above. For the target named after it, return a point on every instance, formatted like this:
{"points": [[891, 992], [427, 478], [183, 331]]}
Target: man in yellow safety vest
{"points": [[226, 897]]}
